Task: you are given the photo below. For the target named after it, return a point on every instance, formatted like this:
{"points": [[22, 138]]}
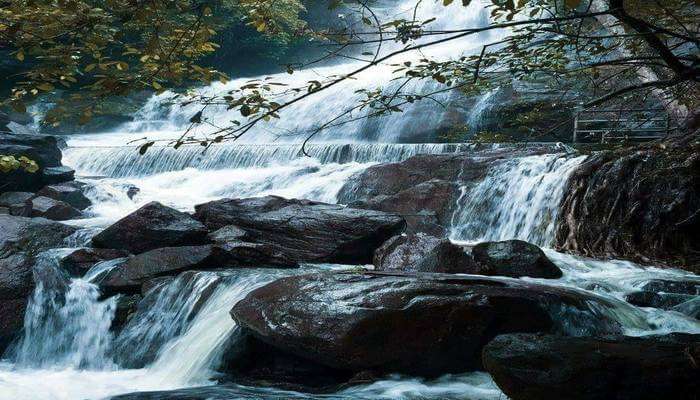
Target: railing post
{"points": [[577, 111]]}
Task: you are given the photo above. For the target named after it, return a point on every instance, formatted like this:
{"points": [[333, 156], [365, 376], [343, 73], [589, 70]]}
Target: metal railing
{"points": [[621, 125]]}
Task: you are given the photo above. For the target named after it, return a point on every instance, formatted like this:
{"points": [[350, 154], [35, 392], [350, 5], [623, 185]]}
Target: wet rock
{"points": [[16, 286], [528, 367], [17, 203], [421, 324], [130, 276], [303, 230], [228, 233], [80, 261], [656, 300], [151, 226], [53, 175], [250, 361], [70, 193], [155, 283], [514, 258], [9, 199], [422, 253], [672, 286], [132, 191], [30, 235], [641, 204], [690, 307], [126, 307], [52, 209]]}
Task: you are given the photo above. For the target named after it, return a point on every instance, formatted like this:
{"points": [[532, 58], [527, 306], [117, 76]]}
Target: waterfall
{"points": [[65, 324], [518, 199], [125, 161]]}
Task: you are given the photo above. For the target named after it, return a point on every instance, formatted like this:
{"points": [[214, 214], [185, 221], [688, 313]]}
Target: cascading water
{"points": [[519, 199], [65, 324]]}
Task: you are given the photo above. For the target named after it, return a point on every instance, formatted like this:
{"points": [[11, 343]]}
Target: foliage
{"points": [[10, 163], [102, 48]]}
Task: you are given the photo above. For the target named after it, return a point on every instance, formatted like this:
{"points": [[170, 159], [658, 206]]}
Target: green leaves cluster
{"points": [[11, 163]]}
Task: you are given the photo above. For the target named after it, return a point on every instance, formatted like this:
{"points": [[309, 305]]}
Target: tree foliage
{"points": [[102, 48], [12, 163]]}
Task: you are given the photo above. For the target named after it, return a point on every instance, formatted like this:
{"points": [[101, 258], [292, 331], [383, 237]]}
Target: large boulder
{"points": [[303, 230], [514, 258], [543, 367], [422, 253], [70, 193], [17, 203], [151, 226], [424, 324], [49, 208], [642, 204]]}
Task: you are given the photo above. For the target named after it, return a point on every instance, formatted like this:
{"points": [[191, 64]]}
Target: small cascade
{"points": [[518, 199], [65, 324], [192, 357], [125, 161], [165, 312]]}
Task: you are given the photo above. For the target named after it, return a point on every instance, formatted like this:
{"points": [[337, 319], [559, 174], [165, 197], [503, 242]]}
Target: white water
{"points": [[519, 199]]}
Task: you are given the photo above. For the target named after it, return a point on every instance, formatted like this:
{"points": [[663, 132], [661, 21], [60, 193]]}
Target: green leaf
{"points": [[144, 147], [447, 2]]}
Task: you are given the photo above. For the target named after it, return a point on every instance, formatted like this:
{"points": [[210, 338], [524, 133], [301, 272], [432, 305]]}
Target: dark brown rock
{"points": [[424, 324], [303, 230], [514, 258], [151, 226], [422, 253], [30, 235], [541, 367]]}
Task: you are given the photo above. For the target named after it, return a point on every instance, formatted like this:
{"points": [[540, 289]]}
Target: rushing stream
{"points": [[178, 335]]}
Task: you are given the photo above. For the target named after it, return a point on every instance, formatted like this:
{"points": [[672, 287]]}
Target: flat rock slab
{"points": [[303, 230]]}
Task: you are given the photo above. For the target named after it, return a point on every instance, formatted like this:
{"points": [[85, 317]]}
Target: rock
{"points": [[229, 233], [132, 191], [529, 367], [514, 258], [9, 199], [151, 226], [16, 203], [80, 261], [70, 193], [126, 307], [672, 286], [690, 308], [420, 324], [650, 299], [31, 235], [130, 276], [52, 209], [637, 203], [422, 253], [41, 148], [53, 175], [303, 230]]}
